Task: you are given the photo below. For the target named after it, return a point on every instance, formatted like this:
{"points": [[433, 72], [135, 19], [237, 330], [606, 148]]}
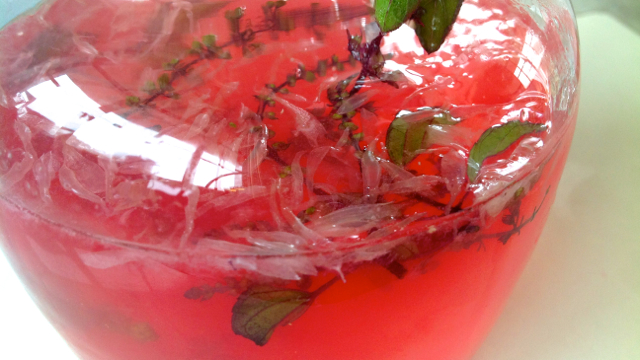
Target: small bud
{"points": [[171, 65], [225, 55], [291, 80], [149, 87], [209, 41], [340, 66], [284, 91], [309, 76], [358, 136], [196, 46], [310, 210], [280, 4], [133, 100], [337, 116], [272, 134], [164, 82], [270, 115], [335, 59], [234, 14], [348, 125], [233, 125]]}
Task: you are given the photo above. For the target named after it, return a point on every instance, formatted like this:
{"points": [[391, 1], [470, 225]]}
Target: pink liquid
{"points": [[132, 261]]}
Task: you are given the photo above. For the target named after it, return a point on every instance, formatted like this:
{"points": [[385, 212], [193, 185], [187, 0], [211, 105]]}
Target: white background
{"points": [[579, 297]]}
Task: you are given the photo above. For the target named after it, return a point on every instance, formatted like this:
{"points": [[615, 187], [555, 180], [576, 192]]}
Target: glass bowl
{"points": [[278, 180]]}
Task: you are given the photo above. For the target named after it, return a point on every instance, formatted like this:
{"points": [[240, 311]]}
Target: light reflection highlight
{"points": [[110, 135]]}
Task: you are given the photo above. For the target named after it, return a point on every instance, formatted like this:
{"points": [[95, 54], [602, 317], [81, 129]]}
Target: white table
{"points": [[579, 297]]}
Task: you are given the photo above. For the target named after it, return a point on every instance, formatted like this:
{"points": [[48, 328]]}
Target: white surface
{"points": [[579, 298]]}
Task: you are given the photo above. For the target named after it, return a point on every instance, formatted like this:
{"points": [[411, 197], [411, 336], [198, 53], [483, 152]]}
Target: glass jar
{"points": [[278, 180]]}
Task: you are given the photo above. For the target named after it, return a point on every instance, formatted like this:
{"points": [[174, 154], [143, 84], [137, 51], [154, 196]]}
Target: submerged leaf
{"points": [[143, 332], [434, 21], [495, 140], [407, 135], [261, 308]]}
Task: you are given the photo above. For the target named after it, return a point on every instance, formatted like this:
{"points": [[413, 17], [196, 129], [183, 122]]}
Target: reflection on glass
{"points": [[110, 135]]}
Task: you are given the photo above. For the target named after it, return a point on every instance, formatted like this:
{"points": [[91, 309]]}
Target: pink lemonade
{"points": [[273, 180]]}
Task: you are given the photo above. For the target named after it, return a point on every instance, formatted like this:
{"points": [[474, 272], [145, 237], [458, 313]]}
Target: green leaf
{"points": [[495, 140], [434, 21], [262, 308], [196, 46], [209, 41], [149, 87], [164, 82], [408, 133], [171, 65], [393, 13], [133, 100], [291, 80], [309, 76], [234, 14]]}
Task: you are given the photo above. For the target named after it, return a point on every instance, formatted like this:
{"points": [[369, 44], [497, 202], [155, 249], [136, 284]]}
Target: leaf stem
{"points": [[324, 287]]}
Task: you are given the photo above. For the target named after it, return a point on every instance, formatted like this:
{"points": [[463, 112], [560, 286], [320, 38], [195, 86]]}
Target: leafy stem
{"points": [[208, 49], [514, 219]]}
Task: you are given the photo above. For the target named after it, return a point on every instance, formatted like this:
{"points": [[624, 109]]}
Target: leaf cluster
{"points": [[433, 18]]}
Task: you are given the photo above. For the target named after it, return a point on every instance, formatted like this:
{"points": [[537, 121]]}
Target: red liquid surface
{"points": [[111, 256]]}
